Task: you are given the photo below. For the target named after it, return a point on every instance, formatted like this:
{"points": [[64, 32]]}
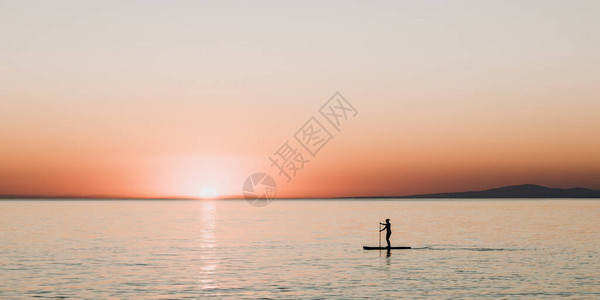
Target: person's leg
{"points": [[387, 239]]}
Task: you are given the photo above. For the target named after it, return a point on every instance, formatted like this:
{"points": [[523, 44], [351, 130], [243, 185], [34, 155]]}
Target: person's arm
{"points": [[384, 227]]}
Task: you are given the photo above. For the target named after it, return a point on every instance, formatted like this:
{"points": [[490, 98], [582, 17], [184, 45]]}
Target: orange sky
{"points": [[164, 99]]}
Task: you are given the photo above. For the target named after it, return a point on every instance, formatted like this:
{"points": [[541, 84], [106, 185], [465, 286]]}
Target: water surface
{"points": [[299, 249]]}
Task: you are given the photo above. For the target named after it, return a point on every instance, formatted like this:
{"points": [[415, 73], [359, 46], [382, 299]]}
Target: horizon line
{"points": [[240, 197]]}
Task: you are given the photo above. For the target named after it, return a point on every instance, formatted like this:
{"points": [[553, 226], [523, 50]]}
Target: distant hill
{"points": [[518, 191]]}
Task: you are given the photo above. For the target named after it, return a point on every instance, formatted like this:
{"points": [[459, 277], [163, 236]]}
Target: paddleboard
{"points": [[383, 248]]}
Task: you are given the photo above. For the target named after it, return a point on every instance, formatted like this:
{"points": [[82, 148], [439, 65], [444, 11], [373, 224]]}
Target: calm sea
{"points": [[299, 249]]}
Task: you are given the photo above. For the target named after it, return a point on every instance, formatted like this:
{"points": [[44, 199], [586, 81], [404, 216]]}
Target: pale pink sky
{"points": [[165, 98]]}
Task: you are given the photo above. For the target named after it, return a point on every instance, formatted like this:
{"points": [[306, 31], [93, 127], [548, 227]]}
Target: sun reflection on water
{"points": [[209, 259]]}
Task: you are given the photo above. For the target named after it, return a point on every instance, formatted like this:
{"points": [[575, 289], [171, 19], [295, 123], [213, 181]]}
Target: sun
{"points": [[208, 193]]}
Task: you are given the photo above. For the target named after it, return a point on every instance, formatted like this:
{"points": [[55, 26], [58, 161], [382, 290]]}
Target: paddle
{"points": [[379, 229]]}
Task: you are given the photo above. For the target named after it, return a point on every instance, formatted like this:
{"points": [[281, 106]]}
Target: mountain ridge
{"points": [[517, 191]]}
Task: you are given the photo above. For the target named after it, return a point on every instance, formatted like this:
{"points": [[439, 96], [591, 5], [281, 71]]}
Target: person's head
{"points": [[387, 220]]}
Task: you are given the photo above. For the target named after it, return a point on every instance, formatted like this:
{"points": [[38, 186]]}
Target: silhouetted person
{"points": [[388, 228]]}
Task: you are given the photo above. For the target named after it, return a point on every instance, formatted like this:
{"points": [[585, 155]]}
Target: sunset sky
{"points": [[167, 98]]}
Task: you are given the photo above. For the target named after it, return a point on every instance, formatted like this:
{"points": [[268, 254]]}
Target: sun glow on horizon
{"points": [[208, 193]]}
